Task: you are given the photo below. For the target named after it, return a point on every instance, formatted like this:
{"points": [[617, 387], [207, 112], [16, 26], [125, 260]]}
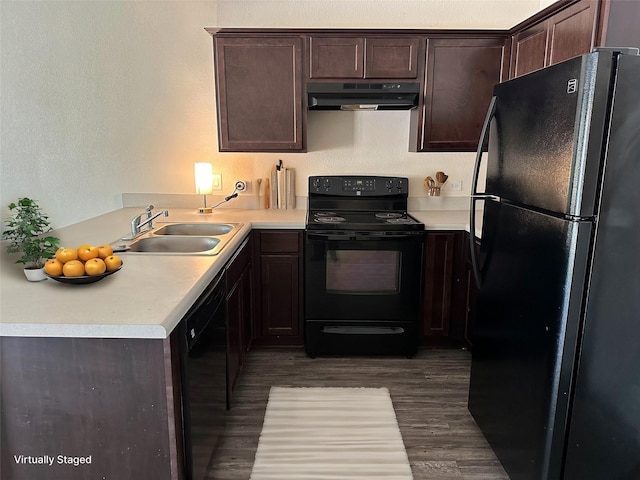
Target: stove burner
{"points": [[386, 215], [329, 219], [325, 214], [399, 220]]}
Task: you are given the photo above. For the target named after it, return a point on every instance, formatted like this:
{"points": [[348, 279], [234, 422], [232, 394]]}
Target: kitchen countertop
{"points": [[151, 293]]}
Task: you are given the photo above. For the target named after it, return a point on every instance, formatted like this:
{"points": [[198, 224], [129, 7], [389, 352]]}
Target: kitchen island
{"points": [[90, 373]]}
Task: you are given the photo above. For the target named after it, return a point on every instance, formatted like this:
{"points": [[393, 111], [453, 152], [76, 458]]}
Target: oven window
{"points": [[363, 271]]}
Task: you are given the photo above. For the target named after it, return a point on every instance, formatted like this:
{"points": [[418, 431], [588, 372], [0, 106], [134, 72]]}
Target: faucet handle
{"points": [[149, 208]]}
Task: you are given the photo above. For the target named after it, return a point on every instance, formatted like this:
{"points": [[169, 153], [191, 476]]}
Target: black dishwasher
{"points": [[203, 363]]}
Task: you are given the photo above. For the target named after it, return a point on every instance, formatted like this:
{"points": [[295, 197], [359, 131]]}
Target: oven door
{"points": [[363, 276]]}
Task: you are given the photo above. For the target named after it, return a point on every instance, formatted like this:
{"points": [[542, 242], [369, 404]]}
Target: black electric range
{"points": [[363, 267]]}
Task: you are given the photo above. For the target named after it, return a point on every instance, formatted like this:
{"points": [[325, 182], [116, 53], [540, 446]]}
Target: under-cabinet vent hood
{"points": [[363, 96]]}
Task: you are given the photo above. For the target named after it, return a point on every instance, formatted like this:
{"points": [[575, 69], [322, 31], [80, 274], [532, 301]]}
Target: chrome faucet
{"points": [[137, 223]]}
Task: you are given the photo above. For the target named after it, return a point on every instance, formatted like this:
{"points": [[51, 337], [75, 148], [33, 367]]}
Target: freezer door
{"points": [[546, 138], [604, 439], [528, 313]]}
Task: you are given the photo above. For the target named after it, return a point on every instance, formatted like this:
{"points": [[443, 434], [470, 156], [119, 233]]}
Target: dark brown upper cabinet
{"points": [[261, 73], [393, 57], [341, 57], [259, 93], [459, 79], [569, 28], [571, 32], [529, 50], [565, 34]]}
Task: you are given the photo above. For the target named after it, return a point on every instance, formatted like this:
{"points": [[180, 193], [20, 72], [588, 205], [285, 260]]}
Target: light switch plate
{"points": [[217, 181]]}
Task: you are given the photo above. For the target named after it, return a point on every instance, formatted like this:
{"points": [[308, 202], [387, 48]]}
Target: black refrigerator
{"points": [[555, 374]]}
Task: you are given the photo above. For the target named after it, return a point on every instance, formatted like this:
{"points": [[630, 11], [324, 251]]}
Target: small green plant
{"points": [[25, 232]]}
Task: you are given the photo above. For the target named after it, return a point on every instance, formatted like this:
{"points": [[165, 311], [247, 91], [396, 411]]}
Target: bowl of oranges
{"points": [[82, 265]]}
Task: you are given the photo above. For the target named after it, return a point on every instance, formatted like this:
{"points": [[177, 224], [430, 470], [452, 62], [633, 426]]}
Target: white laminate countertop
{"points": [[151, 293]]}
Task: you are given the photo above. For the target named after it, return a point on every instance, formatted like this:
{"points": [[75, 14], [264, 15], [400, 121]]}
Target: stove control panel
{"points": [[362, 184], [359, 185]]}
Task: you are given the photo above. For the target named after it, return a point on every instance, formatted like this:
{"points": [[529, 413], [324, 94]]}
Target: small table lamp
{"points": [[204, 183]]}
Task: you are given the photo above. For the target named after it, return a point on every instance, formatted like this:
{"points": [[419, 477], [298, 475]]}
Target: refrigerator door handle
{"points": [[472, 244], [474, 190], [491, 111]]}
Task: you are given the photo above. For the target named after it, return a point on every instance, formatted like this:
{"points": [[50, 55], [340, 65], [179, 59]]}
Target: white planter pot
{"points": [[35, 274]]}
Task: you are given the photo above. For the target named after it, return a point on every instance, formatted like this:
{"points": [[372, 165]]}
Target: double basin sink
{"points": [[182, 239]]}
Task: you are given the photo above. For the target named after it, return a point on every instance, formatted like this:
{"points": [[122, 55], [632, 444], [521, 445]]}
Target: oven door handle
{"points": [[363, 236]]}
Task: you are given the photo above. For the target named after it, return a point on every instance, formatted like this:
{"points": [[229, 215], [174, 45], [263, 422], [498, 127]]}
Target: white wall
{"points": [[100, 98]]}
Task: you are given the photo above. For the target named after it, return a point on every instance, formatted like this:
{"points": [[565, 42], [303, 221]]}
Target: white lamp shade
{"points": [[204, 178]]}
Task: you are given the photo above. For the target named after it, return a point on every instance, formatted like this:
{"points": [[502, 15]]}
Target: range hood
{"points": [[363, 96]]}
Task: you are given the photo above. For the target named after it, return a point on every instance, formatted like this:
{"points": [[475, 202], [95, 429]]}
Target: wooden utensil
{"points": [[267, 193], [441, 178]]}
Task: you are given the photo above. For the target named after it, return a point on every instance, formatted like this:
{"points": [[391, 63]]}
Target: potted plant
{"points": [[26, 230]]}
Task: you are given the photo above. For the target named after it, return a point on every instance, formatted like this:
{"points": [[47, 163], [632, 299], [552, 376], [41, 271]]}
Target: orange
{"points": [[95, 266], [113, 263], [53, 267], [64, 255], [87, 252], [73, 268], [104, 251]]}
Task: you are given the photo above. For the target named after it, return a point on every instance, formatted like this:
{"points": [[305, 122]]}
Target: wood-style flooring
{"points": [[429, 394]]}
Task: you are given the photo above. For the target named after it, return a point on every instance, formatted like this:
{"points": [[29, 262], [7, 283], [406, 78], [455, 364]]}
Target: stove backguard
{"points": [[373, 193]]}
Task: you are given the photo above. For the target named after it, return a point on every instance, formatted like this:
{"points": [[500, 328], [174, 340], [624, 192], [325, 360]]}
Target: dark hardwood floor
{"points": [[429, 394]]}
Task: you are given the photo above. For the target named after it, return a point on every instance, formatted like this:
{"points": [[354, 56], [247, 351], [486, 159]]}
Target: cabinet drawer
{"points": [[280, 242]]}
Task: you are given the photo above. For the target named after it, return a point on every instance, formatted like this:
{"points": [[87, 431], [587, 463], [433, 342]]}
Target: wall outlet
{"points": [[456, 186], [243, 186]]}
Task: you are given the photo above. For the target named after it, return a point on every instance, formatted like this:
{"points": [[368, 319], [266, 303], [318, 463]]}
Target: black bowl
{"points": [[84, 279]]}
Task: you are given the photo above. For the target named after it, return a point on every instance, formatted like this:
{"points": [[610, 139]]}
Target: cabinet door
{"points": [[239, 309], [259, 92], [278, 274], [234, 333], [392, 57], [438, 282], [341, 57], [564, 35], [571, 32], [528, 50], [280, 307], [460, 76], [471, 293]]}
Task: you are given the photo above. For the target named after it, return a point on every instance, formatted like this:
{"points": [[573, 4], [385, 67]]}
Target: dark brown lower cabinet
{"points": [[278, 273], [239, 304], [449, 290], [79, 408], [469, 291], [438, 285]]}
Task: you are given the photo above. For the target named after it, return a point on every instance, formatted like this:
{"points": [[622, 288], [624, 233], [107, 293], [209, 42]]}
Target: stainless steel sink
{"points": [[206, 229], [182, 239], [175, 244]]}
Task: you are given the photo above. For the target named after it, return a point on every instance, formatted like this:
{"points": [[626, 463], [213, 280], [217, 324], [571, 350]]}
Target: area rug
{"points": [[330, 434]]}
